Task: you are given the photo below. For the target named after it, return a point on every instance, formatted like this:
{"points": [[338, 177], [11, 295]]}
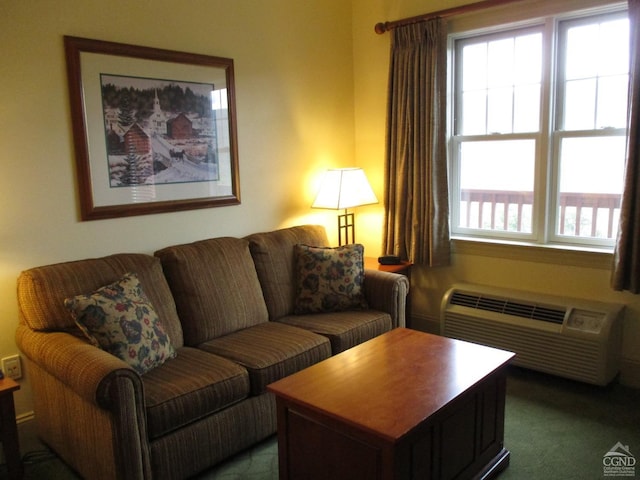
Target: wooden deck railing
{"points": [[505, 201]]}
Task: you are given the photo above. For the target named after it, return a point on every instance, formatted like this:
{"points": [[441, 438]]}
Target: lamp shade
{"points": [[343, 188]]}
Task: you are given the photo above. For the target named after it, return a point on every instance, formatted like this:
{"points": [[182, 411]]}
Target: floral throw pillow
{"points": [[329, 279], [120, 319]]}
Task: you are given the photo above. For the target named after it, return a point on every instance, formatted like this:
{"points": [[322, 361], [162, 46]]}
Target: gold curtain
{"points": [[416, 194], [626, 259]]}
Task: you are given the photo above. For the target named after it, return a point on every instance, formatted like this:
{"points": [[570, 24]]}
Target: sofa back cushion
{"points": [[43, 290], [215, 286], [274, 260]]}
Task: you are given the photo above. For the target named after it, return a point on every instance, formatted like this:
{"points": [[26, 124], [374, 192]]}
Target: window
{"points": [[539, 131]]}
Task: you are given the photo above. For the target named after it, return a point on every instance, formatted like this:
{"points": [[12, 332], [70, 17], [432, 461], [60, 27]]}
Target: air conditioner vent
{"points": [[578, 339], [509, 307]]}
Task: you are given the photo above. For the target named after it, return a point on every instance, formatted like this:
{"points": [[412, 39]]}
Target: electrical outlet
{"points": [[11, 367]]}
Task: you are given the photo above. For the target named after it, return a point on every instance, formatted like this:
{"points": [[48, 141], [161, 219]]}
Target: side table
{"points": [[403, 268], [9, 429]]}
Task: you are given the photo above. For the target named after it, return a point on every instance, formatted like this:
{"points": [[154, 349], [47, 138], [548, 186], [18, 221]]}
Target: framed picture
{"points": [[154, 130]]}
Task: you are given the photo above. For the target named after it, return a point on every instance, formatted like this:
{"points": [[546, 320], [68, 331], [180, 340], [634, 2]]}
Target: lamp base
{"points": [[346, 228]]}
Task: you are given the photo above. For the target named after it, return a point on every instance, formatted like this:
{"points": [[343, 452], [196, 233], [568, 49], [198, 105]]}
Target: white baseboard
{"points": [[25, 417], [630, 372], [424, 323]]}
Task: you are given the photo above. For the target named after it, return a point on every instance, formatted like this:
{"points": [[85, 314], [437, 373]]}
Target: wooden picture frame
{"points": [[154, 130]]}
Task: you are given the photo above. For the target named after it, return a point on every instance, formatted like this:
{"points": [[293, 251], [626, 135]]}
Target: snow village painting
{"points": [[163, 132]]}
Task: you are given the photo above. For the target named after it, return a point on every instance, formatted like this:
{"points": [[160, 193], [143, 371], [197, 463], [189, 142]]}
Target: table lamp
{"points": [[344, 188]]}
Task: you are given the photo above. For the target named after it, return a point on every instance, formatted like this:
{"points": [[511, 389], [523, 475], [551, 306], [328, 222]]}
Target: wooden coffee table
{"points": [[404, 405]]}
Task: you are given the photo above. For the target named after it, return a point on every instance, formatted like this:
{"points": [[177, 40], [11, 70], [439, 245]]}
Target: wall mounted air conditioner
{"points": [[568, 337]]}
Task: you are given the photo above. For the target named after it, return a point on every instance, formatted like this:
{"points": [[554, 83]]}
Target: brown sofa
{"points": [[227, 306]]}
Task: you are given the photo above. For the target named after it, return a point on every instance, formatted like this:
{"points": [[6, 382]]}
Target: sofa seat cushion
{"points": [[343, 329], [191, 386], [271, 351]]}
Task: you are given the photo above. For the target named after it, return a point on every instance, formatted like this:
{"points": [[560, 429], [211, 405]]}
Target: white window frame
{"points": [[547, 140]]}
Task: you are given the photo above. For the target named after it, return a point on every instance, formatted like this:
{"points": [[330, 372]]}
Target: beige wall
{"points": [[294, 86], [537, 270]]}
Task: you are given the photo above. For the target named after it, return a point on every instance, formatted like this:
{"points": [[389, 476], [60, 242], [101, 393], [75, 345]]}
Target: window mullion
{"points": [[544, 214]]}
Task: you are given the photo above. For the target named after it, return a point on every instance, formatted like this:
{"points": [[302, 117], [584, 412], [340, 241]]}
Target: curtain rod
{"points": [[383, 27]]}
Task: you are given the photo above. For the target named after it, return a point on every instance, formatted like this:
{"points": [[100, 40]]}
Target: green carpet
{"points": [[556, 429], [560, 429]]}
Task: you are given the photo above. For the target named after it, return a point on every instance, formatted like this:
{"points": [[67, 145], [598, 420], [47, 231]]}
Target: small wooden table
{"points": [[403, 405], [8, 428], [403, 267]]}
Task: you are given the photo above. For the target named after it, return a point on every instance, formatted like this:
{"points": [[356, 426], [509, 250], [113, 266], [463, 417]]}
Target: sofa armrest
{"points": [[82, 367], [387, 292], [102, 393]]}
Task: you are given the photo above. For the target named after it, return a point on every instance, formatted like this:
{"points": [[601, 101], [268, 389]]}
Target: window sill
{"points": [[529, 252]]}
